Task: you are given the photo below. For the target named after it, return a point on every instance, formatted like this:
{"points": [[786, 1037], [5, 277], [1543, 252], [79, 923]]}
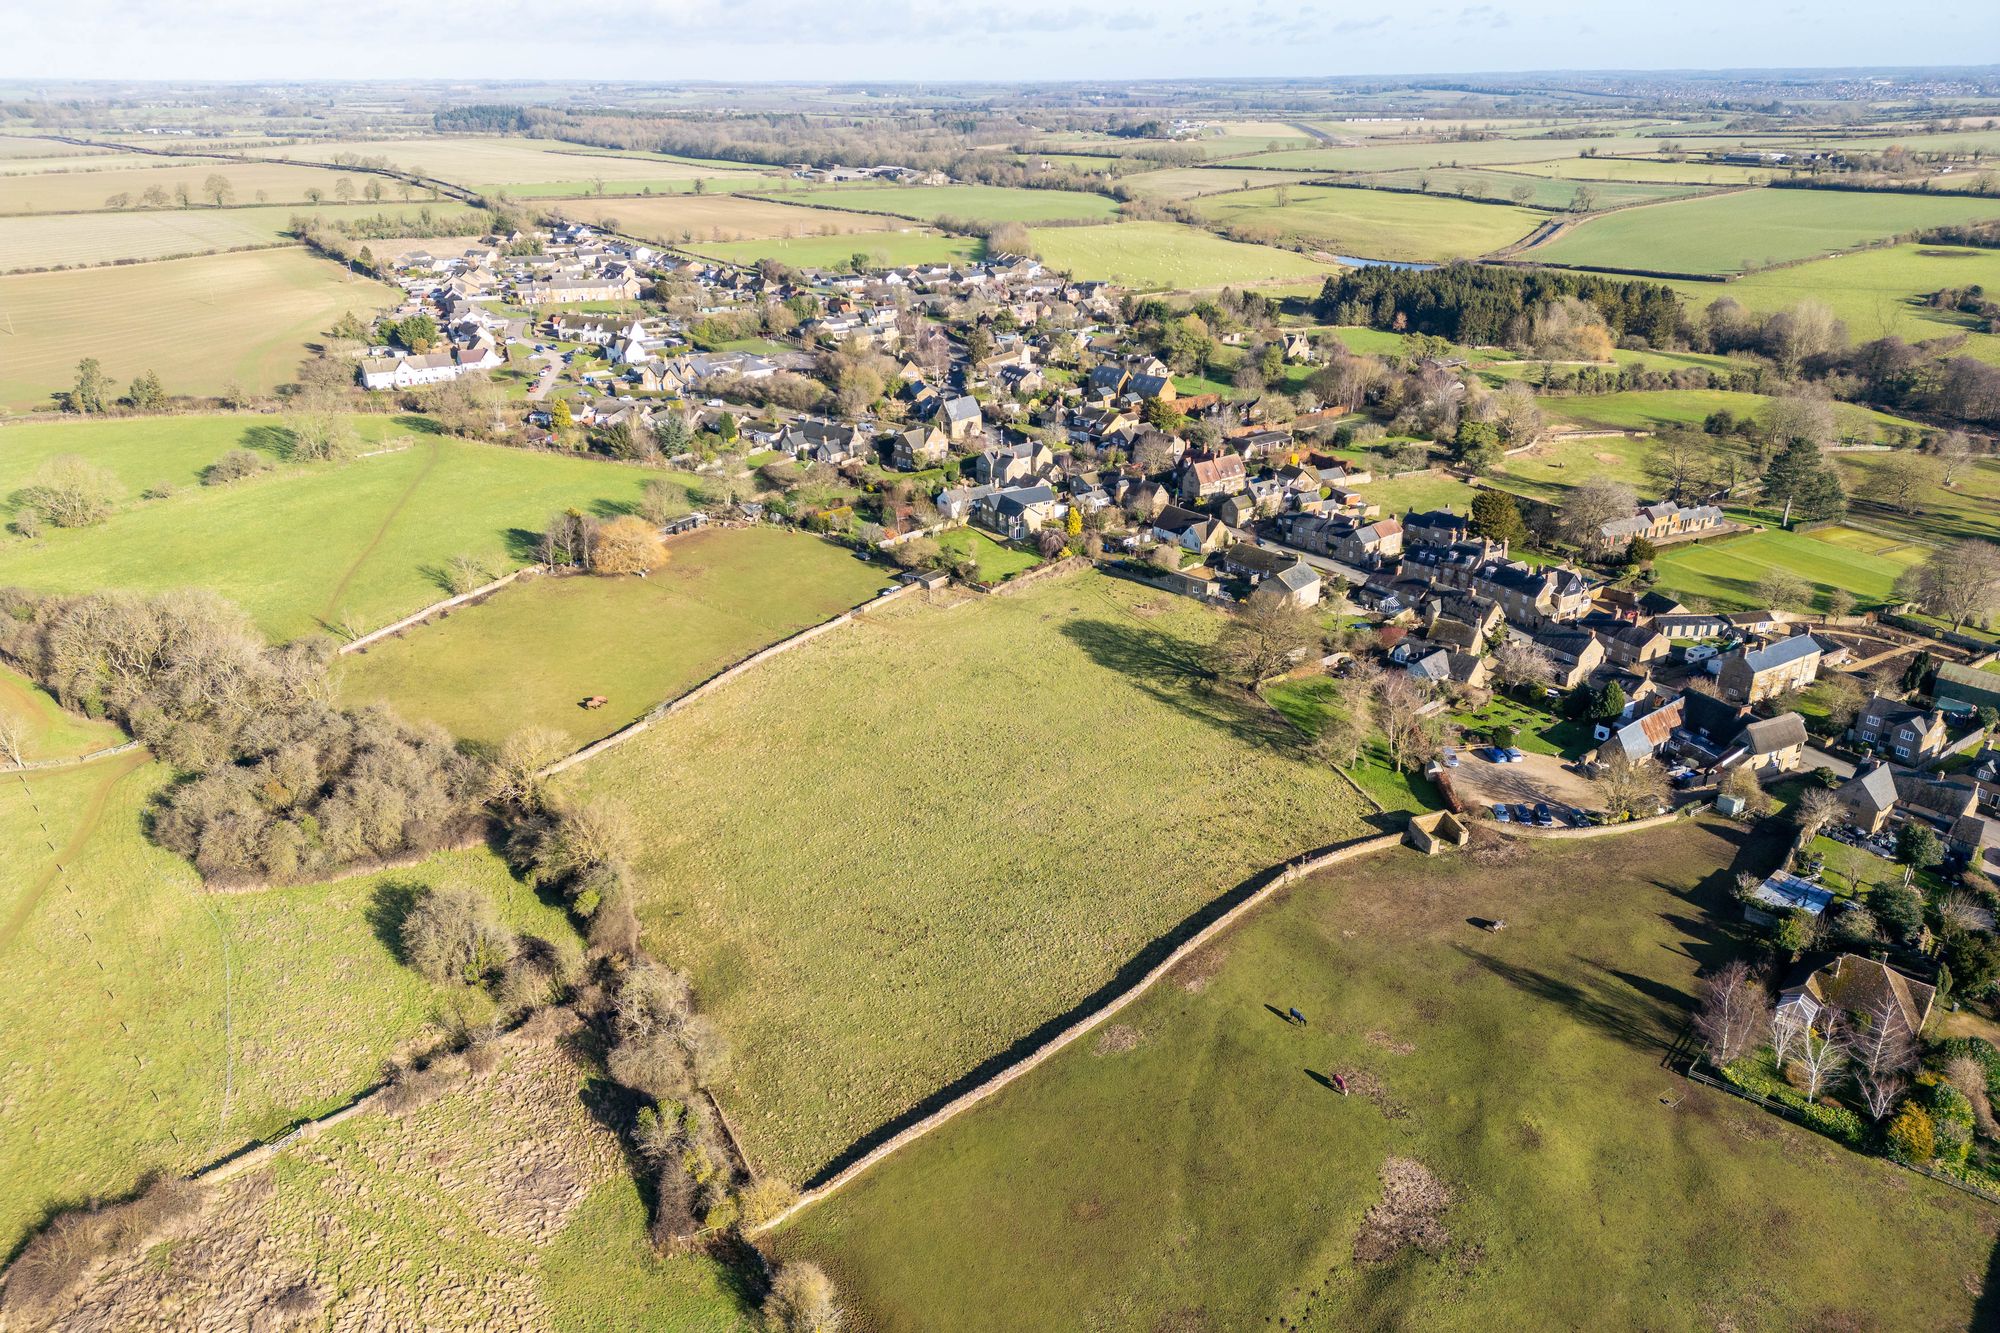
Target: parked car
{"points": [[1544, 817], [1514, 756], [1576, 818], [1522, 813], [1500, 814], [1451, 756]]}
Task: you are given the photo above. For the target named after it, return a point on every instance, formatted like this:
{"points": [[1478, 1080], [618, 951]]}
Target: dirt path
{"points": [[93, 812], [332, 608]]}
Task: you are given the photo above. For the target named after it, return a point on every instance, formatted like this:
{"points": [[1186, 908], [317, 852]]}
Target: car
{"points": [[1576, 818], [1544, 817], [1492, 754], [1514, 756], [1500, 814], [1450, 757], [1522, 814]]}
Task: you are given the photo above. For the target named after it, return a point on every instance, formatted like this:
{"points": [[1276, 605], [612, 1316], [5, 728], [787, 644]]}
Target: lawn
{"points": [[1969, 509], [83, 188], [185, 318], [166, 1025], [1874, 292], [995, 560], [310, 547], [1166, 255], [1191, 1168], [979, 203], [1750, 229], [72, 240], [1424, 491], [1722, 574], [47, 730], [1376, 224], [683, 218], [883, 249], [530, 654], [1309, 702], [1062, 791], [1536, 730]]}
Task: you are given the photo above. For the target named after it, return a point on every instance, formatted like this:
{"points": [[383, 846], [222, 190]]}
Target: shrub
{"points": [[1911, 1137], [627, 545], [233, 466], [801, 1300], [765, 1198], [452, 934], [70, 491]]}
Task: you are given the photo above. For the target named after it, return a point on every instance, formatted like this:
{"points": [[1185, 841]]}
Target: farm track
{"points": [[332, 607], [93, 814]]}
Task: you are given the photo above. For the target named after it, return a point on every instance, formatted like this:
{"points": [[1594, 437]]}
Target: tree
{"points": [[146, 394], [343, 189], [1883, 1050], [452, 934], [1262, 638], [1732, 1008], [91, 389], [1918, 846], [1815, 809], [1629, 786], [801, 1301], [1958, 584], [1743, 785], [1822, 1053], [1781, 1029], [1783, 590], [1839, 602], [673, 434], [70, 491], [627, 545], [1521, 193], [13, 739], [1678, 463], [1901, 480], [1911, 1136], [1583, 200], [1477, 446], [1517, 413], [218, 188], [1495, 515], [1598, 501], [1953, 452], [1522, 664], [1609, 703], [1800, 479]]}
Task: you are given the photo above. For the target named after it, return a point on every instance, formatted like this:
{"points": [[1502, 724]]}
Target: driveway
{"points": [[1813, 757], [1538, 777]]}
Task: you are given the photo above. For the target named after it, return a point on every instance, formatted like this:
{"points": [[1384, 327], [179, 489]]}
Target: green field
{"points": [[73, 240], [48, 731], [1424, 491], [184, 318], [1722, 574], [1499, 187], [884, 249], [687, 218], [1874, 292], [1376, 224], [306, 548], [1004, 740], [1645, 169], [1166, 255], [995, 561], [1188, 182], [529, 655], [172, 452], [166, 1025], [507, 161], [1969, 509], [1191, 1168], [1750, 229], [982, 203], [1392, 154], [1657, 409]]}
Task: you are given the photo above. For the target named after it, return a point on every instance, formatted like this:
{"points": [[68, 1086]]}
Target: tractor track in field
{"points": [[333, 601], [93, 814]]}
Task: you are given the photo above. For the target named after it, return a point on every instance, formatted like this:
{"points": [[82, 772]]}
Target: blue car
{"points": [[1500, 813], [1493, 754], [1522, 814], [1544, 817]]}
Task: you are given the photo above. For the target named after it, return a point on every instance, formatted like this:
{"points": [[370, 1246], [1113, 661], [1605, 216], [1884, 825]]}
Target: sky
{"points": [[935, 40]]}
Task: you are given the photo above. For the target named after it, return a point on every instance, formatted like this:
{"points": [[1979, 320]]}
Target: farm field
{"points": [[381, 530], [1189, 182], [86, 188], [169, 1025], [1722, 574], [684, 218], [983, 203], [1555, 465], [1874, 292], [884, 249], [1655, 409], [47, 730], [182, 318], [502, 161], [1166, 255], [587, 189], [28, 162], [1190, 1167], [1499, 187], [1646, 169], [15, 147], [1380, 155], [77, 239], [1730, 233], [1377, 224], [530, 654], [502, 1203], [856, 975]]}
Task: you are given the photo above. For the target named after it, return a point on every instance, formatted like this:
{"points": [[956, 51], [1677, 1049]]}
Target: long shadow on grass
{"points": [[391, 903], [1636, 1018], [1986, 1314], [1171, 670], [1127, 976]]}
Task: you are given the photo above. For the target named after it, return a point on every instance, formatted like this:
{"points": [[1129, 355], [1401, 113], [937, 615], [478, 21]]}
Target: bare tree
{"points": [[1952, 451], [1783, 590], [1782, 1028], [1677, 463], [13, 739], [1519, 662], [1631, 786], [1816, 809], [1398, 699], [1732, 1006], [1959, 583], [1590, 506], [1262, 639], [1884, 1051], [1902, 479], [1822, 1053]]}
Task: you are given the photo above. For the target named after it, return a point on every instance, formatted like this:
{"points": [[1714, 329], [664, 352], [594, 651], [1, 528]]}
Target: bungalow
{"points": [[1915, 736], [1858, 989], [1782, 894], [1662, 521], [1751, 675], [1692, 625], [410, 370]]}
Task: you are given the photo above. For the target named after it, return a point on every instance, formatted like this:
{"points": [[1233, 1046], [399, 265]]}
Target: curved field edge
{"points": [[890, 856]]}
